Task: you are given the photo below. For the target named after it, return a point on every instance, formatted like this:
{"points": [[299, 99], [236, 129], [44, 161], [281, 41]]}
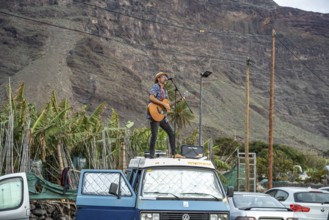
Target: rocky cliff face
{"points": [[184, 38]]}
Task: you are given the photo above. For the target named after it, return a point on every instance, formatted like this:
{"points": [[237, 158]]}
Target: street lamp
{"points": [[203, 75]]}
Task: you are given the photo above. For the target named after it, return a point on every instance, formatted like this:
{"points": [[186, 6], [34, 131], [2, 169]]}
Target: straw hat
{"points": [[158, 75]]}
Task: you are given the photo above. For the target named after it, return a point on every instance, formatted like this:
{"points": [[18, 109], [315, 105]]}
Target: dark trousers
{"points": [[164, 124]]}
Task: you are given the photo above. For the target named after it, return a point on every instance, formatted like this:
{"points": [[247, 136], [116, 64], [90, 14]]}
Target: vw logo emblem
{"points": [[185, 217], [322, 210]]}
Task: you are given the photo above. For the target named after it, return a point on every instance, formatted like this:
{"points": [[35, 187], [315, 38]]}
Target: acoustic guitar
{"points": [[157, 112]]}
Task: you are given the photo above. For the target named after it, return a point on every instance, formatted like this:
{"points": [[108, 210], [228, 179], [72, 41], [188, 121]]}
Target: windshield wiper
{"points": [[195, 193], [164, 193]]}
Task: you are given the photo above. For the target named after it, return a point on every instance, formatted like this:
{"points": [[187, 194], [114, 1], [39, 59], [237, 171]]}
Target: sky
{"points": [[321, 6]]}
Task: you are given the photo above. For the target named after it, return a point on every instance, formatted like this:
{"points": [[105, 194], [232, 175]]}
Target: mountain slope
{"points": [[184, 38]]}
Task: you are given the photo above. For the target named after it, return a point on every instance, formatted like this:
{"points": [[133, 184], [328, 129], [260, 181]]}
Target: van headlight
{"points": [[221, 216], [150, 216]]}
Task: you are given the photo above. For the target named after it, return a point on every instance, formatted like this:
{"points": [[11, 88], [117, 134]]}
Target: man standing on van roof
{"points": [[159, 105]]}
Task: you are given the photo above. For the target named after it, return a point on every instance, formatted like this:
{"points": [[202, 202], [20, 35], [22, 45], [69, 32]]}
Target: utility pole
{"points": [[246, 136], [203, 75], [200, 112], [270, 132]]}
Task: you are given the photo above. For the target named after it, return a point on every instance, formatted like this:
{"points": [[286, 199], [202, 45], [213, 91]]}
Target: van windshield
{"points": [[181, 183]]}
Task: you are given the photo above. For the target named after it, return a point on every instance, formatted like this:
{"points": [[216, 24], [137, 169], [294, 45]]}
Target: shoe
{"points": [[178, 156]]}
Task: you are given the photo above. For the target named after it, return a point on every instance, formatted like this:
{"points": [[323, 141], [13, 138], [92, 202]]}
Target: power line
{"points": [[113, 39], [162, 23], [53, 25], [131, 16], [285, 46], [229, 34]]}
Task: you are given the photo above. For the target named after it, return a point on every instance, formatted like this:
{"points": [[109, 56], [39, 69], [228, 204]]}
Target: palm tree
{"points": [[180, 114]]}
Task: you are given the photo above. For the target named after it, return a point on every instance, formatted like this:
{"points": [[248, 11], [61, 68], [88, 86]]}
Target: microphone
{"points": [[170, 78]]}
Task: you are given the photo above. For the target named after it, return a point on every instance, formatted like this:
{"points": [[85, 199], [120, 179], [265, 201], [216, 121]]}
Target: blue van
{"points": [[153, 189]]}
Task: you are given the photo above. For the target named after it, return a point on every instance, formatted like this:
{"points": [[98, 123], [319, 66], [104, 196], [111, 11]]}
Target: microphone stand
{"points": [[177, 90]]}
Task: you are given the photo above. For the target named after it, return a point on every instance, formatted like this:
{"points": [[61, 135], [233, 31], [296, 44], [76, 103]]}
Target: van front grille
{"points": [[184, 215], [269, 218]]}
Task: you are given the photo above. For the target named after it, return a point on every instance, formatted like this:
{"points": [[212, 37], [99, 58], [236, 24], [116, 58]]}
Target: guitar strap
{"points": [[162, 96]]}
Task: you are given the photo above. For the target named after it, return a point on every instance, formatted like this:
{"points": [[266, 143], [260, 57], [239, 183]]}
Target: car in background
{"points": [[326, 188], [307, 203], [14, 197], [257, 206]]}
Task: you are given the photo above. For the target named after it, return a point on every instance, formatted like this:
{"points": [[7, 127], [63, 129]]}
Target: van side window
{"points": [[99, 184], [11, 193], [129, 175]]}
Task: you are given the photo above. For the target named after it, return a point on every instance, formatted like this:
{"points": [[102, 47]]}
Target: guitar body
{"points": [[157, 112]]}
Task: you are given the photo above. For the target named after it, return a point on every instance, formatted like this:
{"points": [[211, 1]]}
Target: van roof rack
{"points": [[142, 162]]}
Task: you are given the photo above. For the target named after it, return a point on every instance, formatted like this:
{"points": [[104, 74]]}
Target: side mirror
{"points": [[113, 189], [230, 191]]}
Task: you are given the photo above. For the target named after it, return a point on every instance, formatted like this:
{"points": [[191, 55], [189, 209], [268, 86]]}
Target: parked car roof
{"points": [[308, 203], [257, 206], [295, 189], [326, 188]]}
